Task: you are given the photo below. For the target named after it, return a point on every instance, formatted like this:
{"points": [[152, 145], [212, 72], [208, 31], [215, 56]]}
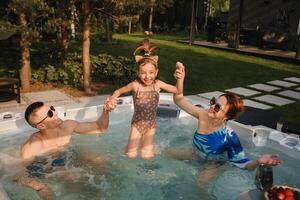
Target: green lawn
{"points": [[207, 69]]}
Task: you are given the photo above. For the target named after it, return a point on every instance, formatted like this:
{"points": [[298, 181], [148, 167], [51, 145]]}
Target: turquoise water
{"points": [[119, 178]]}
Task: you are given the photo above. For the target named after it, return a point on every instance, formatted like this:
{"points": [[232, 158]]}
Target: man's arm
{"points": [[42, 189], [31, 148], [98, 126]]}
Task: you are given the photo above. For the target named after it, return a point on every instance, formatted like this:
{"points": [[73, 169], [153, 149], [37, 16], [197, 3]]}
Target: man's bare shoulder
{"points": [[32, 146], [34, 138]]}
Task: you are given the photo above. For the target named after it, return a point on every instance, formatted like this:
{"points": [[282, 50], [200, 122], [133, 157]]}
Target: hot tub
{"points": [[159, 178]]}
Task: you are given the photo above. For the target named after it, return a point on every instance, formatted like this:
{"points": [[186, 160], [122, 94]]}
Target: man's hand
{"points": [[110, 104]]}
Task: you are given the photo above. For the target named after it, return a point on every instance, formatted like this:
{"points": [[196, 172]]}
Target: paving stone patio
{"points": [[293, 79], [290, 93], [282, 83], [255, 104], [49, 96], [210, 95], [53, 97], [243, 91], [197, 98], [264, 87], [272, 99]]}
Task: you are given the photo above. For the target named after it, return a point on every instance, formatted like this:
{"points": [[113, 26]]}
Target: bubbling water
{"points": [[117, 177]]}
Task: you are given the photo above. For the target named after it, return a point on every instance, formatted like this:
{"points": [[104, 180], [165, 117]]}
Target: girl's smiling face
{"points": [[147, 73]]}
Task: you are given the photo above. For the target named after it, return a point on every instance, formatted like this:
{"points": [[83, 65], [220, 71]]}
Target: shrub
{"points": [[103, 67], [107, 67]]}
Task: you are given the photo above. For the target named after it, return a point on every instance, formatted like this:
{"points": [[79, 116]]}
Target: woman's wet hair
{"points": [[32, 108], [235, 105]]}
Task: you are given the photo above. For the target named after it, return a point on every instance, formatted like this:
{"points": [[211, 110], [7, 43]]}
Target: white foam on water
{"points": [[159, 178]]}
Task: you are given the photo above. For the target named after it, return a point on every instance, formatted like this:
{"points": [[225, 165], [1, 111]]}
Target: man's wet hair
{"points": [[32, 108]]}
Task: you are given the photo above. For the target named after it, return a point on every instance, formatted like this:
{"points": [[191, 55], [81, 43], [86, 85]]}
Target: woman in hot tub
{"points": [[213, 139]]}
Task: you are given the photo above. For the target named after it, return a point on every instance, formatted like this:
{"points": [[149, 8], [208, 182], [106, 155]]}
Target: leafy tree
{"points": [[218, 6], [29, 15], [129, 11], [158, 6], [61, 22], [107, 8], [7, 29]]}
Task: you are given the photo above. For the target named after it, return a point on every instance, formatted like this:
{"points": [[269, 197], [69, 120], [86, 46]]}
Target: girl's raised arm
{"points": [[128, 88], [167, 87]]}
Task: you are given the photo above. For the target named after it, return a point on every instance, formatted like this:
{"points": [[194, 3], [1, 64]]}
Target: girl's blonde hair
{"points": [[145, 53]]}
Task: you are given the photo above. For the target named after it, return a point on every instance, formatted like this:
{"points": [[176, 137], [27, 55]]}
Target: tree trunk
{"points": [[151, 16], [65, 43], [73, 31], [298, 41], [298, 48], [73, 17], [192, 27], [129, 25], [207, 13], [108, 33], [62, 31], [196, 16], [25, 74], [86, 47]]}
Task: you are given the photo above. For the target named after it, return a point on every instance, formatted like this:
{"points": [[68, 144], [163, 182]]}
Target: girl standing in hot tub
{"points": [[145, 98]]}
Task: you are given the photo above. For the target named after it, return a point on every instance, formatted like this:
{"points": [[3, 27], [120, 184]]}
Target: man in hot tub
{"points": [[53, 134]]}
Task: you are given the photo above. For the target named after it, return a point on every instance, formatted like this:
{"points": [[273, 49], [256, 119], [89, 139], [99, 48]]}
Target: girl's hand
{"points": [[110, 104], [179, 65], [179, 72], [267, 159]]}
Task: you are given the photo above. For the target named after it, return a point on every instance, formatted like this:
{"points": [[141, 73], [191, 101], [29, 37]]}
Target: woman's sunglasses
{"points": [[49, 114], [217, 106]]}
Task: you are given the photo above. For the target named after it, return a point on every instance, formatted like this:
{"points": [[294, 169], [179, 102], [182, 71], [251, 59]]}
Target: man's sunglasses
{"points": [[217, 106], [49, 114]]}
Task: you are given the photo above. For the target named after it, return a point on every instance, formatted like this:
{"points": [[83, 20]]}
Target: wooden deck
{"points": [[274, 54]]}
